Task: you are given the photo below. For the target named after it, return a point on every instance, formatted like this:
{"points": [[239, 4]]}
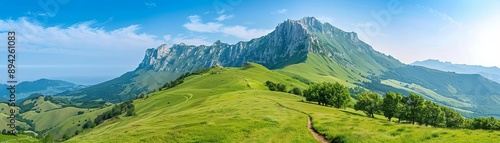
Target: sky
{"points": [[90, 41]]}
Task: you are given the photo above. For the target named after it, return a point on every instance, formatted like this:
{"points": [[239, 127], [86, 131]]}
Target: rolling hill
{"points": [[234, 105]]}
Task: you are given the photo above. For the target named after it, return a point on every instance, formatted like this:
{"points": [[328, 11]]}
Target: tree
{"points": [[281, 87], [271, 85], [486, 123], [326, 94], [391, 105], [341, 96], [311, 94], [369, 102], [414, 105], [432, 115], [296, 91], [453, 119]]}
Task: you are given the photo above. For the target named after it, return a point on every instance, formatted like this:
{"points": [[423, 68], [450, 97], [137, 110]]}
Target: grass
{"points": [[354, 126], [427, 93], [17, 139], [223, 108]]}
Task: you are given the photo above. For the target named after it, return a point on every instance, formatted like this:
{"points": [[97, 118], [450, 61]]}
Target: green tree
{"points": [[485, 123], [369, 102], [340, 96], [325, 93], [432, 115], [296, 91], [414, 104], [391, 105], [281, 87], [453, 119]]}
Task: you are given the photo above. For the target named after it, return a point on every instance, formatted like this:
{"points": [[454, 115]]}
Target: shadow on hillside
{"points": [[352, 113], [345, 111]]}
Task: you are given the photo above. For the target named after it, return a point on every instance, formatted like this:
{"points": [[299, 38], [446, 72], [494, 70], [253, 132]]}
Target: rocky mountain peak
{"points": [[289, 43]]}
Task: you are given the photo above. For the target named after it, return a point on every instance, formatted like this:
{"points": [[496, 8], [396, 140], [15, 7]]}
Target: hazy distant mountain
{"points": [[41, 86], [492, 73]]}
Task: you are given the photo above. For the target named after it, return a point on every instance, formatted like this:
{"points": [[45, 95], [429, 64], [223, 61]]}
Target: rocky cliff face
{"points": [[288, 44]]}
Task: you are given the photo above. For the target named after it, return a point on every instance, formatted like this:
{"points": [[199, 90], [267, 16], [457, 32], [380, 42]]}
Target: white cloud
{"points": [[191, 40], [280, 11], [245, 33], [197, 25], [77, 38], [167, 37], [224, 17], [439, 14]]}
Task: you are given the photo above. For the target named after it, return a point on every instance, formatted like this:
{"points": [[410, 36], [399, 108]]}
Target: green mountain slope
{"points": [[123, 88], [233, 105]]}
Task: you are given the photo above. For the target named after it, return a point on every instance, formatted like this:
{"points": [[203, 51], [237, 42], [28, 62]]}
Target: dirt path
{"points": [[315, 134], [318, 137]]}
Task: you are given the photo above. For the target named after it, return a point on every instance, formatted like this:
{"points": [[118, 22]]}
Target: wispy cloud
{"points": [[150, 4], [244, 33], [224, 17], [195, 24], [191, 40], [280, 11], [439, 14], [78, 37], [167, 37]]}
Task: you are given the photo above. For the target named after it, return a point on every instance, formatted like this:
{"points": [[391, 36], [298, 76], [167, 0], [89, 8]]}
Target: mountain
{"points": [[41, 86], [309, 51], [492, 73]]}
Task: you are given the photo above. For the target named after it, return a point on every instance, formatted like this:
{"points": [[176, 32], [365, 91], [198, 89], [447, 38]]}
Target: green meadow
{"points": [[234, 105]]}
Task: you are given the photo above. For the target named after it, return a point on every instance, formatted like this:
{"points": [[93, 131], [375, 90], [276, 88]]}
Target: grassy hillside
{"points": [[17, 139], [55, 118], [4, 113], [318, 68], [465, 91], [233, 105], [122, 88]]}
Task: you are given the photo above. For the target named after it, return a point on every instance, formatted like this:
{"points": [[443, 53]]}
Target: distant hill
{"points": [[492, 73], [41, 86]]}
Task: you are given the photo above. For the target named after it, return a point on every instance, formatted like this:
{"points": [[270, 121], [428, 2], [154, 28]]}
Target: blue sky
{"points": [[88, 41]]}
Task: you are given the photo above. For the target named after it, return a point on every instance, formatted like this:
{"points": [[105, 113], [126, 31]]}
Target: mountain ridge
{"points": [[492, 73]]}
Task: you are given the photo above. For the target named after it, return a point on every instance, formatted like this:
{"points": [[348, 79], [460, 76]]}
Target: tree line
{"points": [[125, 107], [282, 88], [412, 108]]}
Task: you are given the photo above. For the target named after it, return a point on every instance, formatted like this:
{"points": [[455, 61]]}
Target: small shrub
{"points": [[435, 135], [395, 133], [401, 129], [339, 139]]}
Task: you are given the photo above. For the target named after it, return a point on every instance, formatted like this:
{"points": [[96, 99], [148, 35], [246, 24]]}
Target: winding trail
{"points": [[315, 134]]}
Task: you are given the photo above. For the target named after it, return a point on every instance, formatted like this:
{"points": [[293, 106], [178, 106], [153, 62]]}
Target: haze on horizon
{"points": [[69, 43]]}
